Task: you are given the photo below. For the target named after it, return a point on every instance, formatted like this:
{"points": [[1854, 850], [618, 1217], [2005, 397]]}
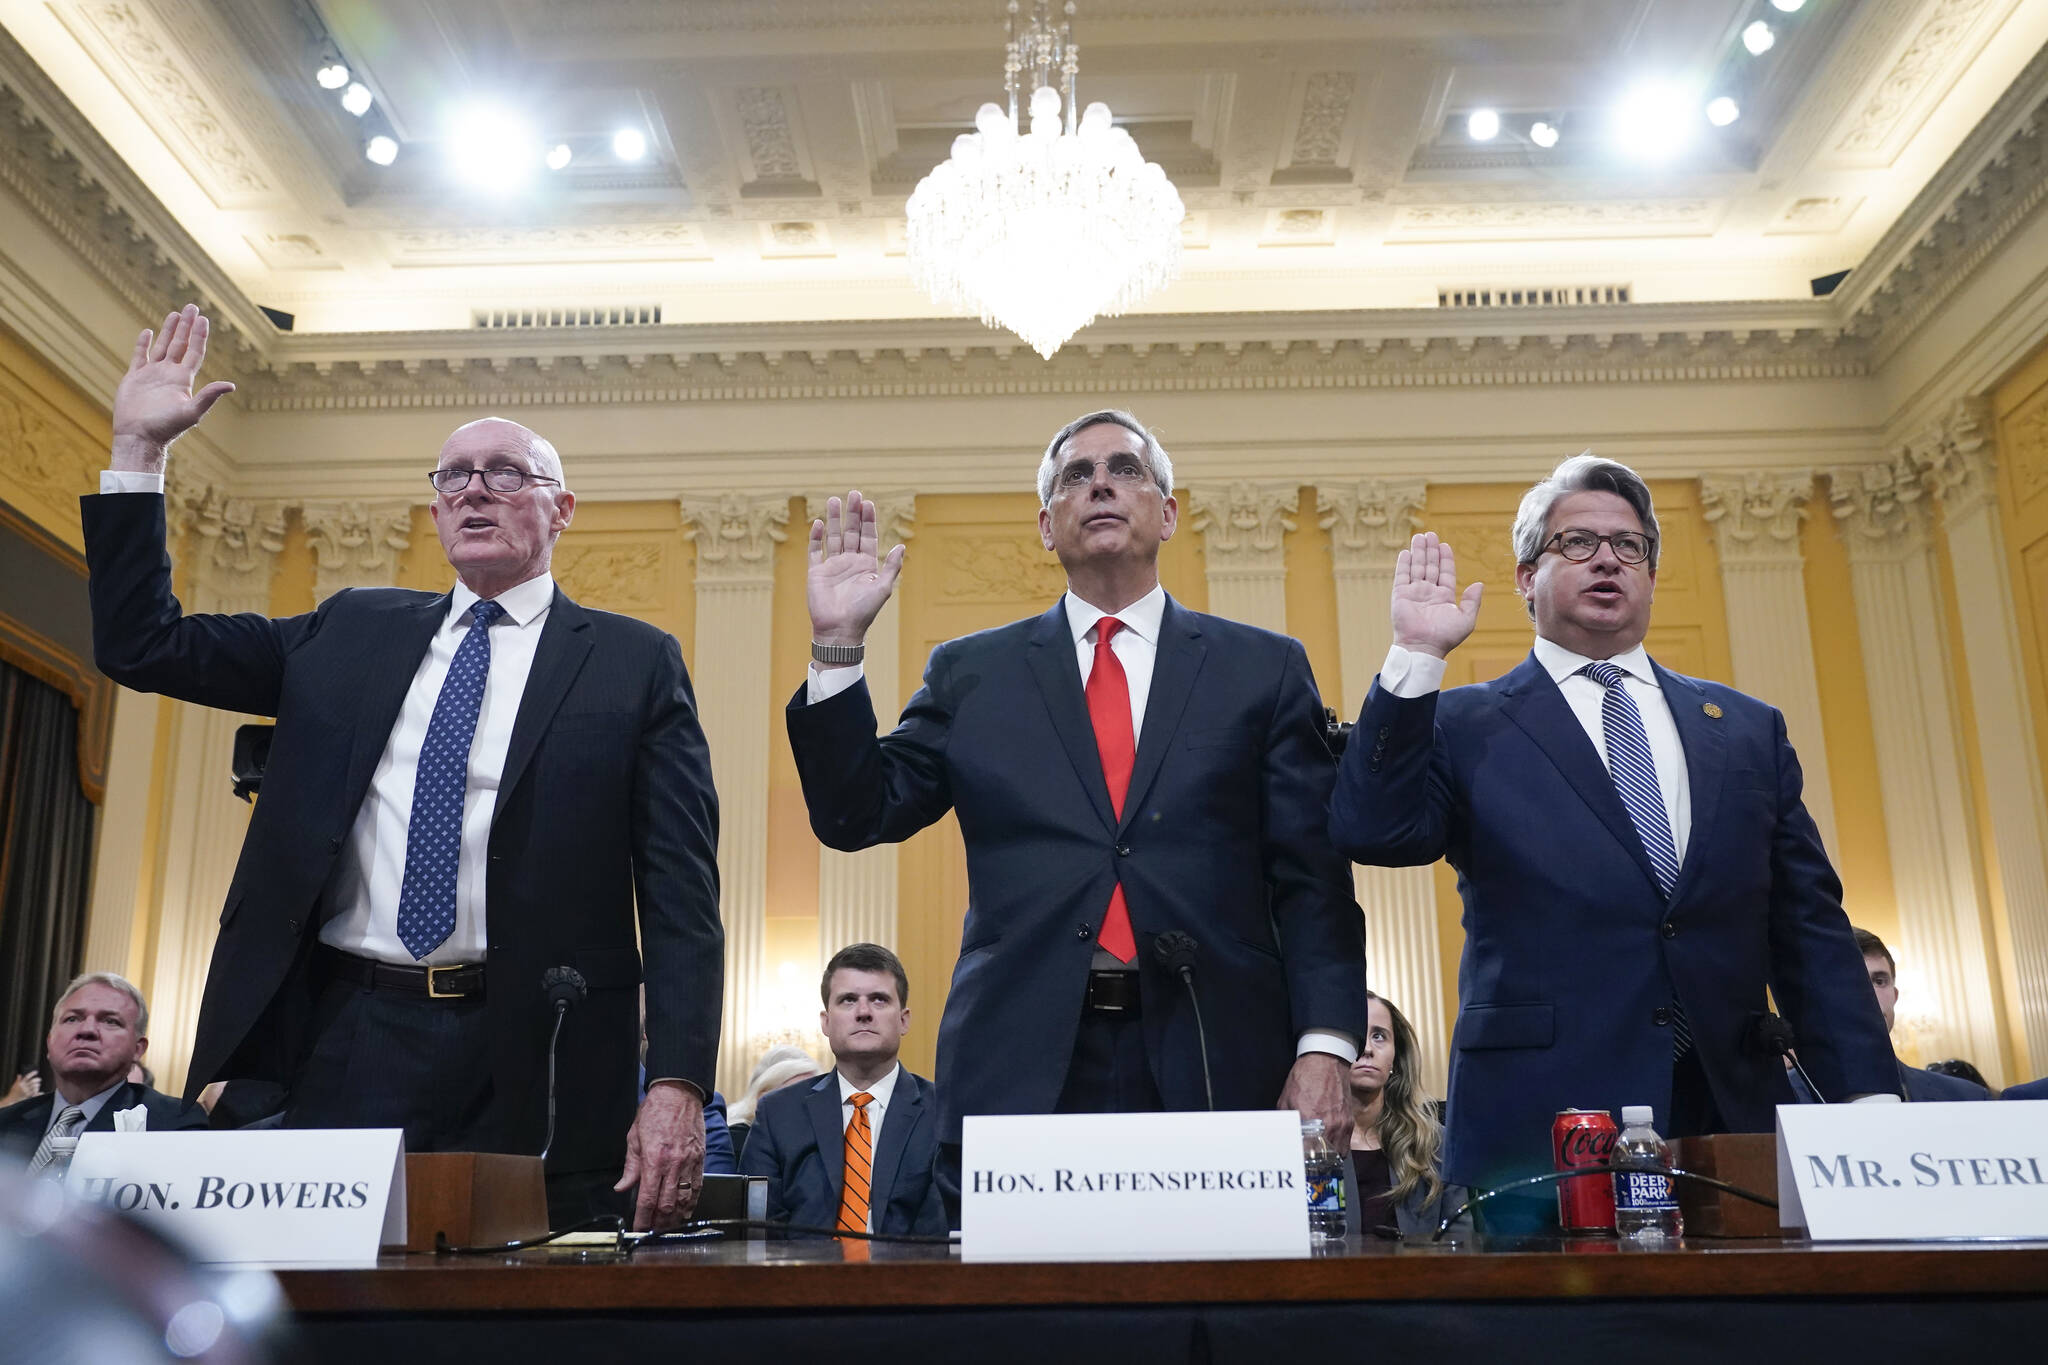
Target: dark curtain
{"points": [[46, 826]]}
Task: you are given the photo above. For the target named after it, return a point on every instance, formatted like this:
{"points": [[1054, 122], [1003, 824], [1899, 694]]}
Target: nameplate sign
{"points": [[1121, 1187], [309, 1196], [1862, 1172]]}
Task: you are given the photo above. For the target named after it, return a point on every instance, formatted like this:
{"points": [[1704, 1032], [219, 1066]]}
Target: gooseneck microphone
{"points": [[1176, 952], [1772, 1035], [564, 988]]}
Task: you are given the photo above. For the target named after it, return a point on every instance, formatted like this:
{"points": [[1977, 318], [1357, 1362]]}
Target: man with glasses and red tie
{"points": [[1121, 768], [1635, 861], [465, 790]]}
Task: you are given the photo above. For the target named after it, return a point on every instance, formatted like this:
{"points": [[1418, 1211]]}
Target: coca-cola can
{"points": [[1584, 1138]]}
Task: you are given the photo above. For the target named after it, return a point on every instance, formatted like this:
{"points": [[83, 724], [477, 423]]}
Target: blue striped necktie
{"points": [[433, 837], [1634, 770]]}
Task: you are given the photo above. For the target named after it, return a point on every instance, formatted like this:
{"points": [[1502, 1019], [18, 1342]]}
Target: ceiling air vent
{"points": [[1532, 296], [617, 315]]}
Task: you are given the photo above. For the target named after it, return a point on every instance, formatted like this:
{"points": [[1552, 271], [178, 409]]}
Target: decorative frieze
{"points": [[355, 544]]}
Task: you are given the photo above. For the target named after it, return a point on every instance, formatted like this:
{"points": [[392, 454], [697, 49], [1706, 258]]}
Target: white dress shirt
{"points": [[364, 890], [1136, 647], [1409, 673], [880, 1093]]}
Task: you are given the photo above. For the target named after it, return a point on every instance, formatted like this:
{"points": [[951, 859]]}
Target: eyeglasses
{"points": [[1122, 468], [502, 478], [1630, 547]]}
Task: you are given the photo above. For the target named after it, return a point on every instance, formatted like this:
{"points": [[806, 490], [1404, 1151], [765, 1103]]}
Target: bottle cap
{"points": [[1311, 1126], [1636, 1116]]}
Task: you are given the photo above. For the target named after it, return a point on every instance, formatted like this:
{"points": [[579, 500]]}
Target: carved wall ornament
{"points": [[1632, 215], [355, 543], [2026, 447], [1879, 507], [1244, 525], [591, 241], [1926, 57], [999, 569], [622, 577], [1325, 109], [1372, 520], [49, 462], [736, 534], [1756, 514], [765, 128], [1954, 458]]}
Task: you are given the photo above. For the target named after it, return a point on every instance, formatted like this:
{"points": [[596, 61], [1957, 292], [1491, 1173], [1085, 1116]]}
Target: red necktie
{"points": [[1109, 708]]}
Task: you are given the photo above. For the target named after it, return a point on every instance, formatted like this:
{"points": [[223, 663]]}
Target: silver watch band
{"points": [[838, 655]]}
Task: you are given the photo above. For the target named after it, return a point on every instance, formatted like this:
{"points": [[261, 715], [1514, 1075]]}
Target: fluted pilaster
{"points": [[1244, 530], [736, 535]]}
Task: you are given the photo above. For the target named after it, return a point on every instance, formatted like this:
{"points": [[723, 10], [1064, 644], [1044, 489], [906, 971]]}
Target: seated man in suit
{"points": [[1921, 1086], [854, 1149], [99, 1030], [1636, 864]]}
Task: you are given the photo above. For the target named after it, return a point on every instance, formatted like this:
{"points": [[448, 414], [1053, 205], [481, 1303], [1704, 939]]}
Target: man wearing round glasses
{"points": [[1635, 861], [465, 790]]}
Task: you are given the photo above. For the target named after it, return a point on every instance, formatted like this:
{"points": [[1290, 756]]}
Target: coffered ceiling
{"points": [[1319, 145]]}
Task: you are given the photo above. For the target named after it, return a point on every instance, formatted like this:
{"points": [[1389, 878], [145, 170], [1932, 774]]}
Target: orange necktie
{"points": [[1109, 708], [860, 1168]]}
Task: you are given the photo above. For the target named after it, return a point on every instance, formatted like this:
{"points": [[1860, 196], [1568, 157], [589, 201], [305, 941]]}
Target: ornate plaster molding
{"points": [[736, 535], [1244, 526], [1756, 514], [1880, 510], [237, 541], [1954, 458], [356, 544], [1371, 520]]}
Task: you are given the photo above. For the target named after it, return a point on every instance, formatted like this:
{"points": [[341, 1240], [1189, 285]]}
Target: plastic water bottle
{"points": [[1323, 1167], [1645, 1206]]}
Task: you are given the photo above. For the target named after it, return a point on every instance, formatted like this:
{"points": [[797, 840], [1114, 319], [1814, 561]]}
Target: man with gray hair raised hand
{"points": [[1636, 863]]}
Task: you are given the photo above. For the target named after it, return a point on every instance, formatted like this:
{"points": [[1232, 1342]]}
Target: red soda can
{"points": [[1584, 1138]]}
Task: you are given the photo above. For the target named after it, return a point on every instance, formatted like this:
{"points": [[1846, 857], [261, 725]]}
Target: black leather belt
{"points": [[1112, 992], [456, 981]]}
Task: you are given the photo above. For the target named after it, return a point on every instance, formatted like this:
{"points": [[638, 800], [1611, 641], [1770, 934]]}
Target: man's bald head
{"points": [[540, 452]]}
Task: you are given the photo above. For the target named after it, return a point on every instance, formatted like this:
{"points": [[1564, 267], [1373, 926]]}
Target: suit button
{"points": [[1384, 732], [334, 844], [1086, 931], [1123, 850], [1668, 929], [1661, 1017], [292, 925]]}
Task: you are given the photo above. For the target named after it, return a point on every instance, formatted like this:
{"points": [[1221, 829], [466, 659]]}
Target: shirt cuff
{"points": [[1411, 673], [130, 481], [1874, 1099], [827, 683], [1340, 1045], [690, 1086]]}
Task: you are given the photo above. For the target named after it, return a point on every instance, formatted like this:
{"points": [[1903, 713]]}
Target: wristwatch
{"points": [[838, 656]]}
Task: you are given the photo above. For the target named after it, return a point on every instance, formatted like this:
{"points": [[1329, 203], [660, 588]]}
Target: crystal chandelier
{"points": [[1043, 232]]}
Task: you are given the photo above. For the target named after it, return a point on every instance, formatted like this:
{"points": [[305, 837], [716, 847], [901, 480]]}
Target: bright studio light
{"points": [[1788, 6], [1543, 134], [559, 156], [357, 99], [491, 147], [381, 150], [333, 74], [1654, 122], [1759, 38], [1723, 111], [629, 144], [1483, 125]]}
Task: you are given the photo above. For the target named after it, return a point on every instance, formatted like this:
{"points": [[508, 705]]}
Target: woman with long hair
{"points": [[1397, 1139]]}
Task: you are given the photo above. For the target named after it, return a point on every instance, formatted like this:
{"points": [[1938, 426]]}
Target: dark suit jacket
{"points": [[1221, 837], [1921, 1087], [606, 796], [1572, 957], [22, 1125], [799, 1142], [2029, 1090]]}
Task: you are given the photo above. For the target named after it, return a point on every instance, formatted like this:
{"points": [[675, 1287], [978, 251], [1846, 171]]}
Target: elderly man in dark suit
{"points": [[99, 1030], [856, 1149], [1121, 767], [465, 790], [1636, 865]]}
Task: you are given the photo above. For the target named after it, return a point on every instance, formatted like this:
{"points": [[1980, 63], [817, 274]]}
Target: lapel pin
{"points": [[1713, 711]]}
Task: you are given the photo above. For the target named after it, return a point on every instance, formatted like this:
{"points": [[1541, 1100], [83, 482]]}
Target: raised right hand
{"points": [[847, 586], [1430, 616], [154, 404]]}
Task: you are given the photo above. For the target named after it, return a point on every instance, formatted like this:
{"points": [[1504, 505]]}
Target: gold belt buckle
{"points": [[434, 992]]}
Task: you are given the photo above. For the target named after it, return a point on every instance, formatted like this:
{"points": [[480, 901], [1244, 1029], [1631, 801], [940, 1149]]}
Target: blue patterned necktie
{"points": [[1634, 770], [433, 839]]}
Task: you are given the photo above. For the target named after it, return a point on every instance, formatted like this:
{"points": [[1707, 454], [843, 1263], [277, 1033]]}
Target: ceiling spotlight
{"points": [[1758, 38], [629, 144], [1543, 134], [559, 156], [1654, 121], [491, 147], [1723, 111], [1483, 125], [357, 99], [381, 150], [1788, 6], [333, 73]]}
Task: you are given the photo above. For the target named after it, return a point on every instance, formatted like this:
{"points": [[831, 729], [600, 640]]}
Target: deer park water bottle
{"points": [[1645, 1205], [1323, 1167]]}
